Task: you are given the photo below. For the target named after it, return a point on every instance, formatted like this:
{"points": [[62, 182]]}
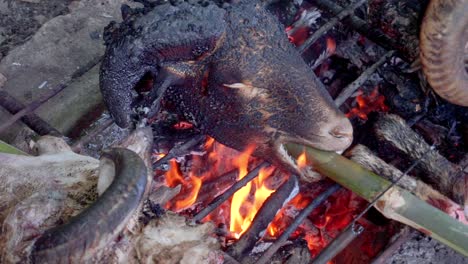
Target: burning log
{"points": [[444, 175], [263, 218], [220, 184], [398, 19], [395, 203]]}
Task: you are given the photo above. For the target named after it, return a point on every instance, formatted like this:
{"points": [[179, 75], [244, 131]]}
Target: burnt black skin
{"points": [[259, 90]]}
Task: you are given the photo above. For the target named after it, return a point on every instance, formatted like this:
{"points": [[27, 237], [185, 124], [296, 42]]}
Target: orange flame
{"points": [[196, 183], [174, 177], [240, 197], [302, 160]]}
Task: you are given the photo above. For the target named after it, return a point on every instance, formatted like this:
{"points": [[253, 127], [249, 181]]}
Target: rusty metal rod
{"points": [[37, 124], [31, 107], [265, 258], [338, 244], [223, 197], [330, 24]]}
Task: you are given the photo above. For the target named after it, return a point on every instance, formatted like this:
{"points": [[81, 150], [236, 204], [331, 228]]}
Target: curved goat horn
{"points": [[444, 49], [98, 224]]}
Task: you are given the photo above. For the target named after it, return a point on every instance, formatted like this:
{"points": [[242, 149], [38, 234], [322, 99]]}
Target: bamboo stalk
{"points": [[397, 204], [9, 149]]}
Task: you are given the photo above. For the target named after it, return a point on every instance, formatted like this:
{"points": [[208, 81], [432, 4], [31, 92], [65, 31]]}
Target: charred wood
{"points": [[366, 30], [217, 185], [330, 24], [350, 89], [400, 20], [179, 151]]}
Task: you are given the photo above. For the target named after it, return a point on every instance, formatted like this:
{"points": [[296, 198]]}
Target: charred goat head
{"points": [[230, 70]]}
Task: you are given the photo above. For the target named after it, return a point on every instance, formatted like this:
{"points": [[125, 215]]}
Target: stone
{"points": [[63, 46]]}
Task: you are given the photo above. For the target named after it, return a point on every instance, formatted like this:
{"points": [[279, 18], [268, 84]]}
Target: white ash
{"points": [[261, 247]]}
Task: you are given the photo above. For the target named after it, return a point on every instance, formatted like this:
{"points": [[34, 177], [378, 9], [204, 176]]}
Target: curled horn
{"points": [[98, 224], [444, 49], [146, 41]]}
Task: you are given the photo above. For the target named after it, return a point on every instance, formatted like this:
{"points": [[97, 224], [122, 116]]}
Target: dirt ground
{"points": [[20, 19]]}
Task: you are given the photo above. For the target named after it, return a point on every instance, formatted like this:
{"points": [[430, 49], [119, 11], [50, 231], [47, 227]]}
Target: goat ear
{"points": [[144, 41]]}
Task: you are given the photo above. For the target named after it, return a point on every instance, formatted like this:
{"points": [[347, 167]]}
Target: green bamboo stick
{"points": [[6, 148], [397, 204]]}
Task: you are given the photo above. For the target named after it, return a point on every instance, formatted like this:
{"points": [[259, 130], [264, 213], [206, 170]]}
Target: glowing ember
{"points": [[331, 45], [367, 104], [183, 125], [297, 36]]}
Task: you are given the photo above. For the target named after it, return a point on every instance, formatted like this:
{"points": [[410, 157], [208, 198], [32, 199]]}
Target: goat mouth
{"points": [[302, 169]]}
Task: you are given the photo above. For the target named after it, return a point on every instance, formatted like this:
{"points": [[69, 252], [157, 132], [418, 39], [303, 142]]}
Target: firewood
{"points": [[395, 203], [442, 174]]}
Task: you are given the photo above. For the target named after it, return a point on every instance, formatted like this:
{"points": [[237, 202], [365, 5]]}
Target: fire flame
{"points": [[243, 211], [302, 160], [174, 177], [245, 203]]}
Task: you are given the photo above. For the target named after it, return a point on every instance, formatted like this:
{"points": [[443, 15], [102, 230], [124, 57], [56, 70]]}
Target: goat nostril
{"points": [[338, 134], [343, 130]]}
